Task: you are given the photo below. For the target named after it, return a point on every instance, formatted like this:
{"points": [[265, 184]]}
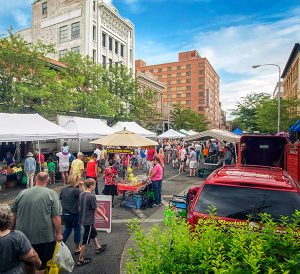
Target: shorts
{"points": [[45, 252], [63, 168], [193, 164], [89, 233]]}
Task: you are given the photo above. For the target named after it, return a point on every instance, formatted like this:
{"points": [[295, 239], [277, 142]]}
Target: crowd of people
{"points": [[31, 239]]}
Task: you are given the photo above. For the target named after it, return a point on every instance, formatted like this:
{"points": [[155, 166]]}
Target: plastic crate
{"points": [[179, 206]]}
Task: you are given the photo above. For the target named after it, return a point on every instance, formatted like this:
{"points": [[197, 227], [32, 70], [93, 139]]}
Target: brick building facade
{"points": [[191, 82]]}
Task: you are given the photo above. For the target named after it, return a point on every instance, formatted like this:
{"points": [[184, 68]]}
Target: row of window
{"points": [[176, 68], [117, 46], [63, 52], [64, 32]]}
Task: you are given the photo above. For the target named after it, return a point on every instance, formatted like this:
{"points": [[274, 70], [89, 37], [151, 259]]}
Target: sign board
{"points": [[119, 151], [104, 202]]}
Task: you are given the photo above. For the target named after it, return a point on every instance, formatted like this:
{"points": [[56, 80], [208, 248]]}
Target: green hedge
{"points": [[217, 247]]}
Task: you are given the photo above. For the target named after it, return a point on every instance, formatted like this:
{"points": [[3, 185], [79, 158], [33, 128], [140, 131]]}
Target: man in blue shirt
{"points": [[29, 168]]}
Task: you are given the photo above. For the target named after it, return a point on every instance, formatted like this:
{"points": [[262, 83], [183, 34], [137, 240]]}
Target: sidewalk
{"points": [[157, 217]]}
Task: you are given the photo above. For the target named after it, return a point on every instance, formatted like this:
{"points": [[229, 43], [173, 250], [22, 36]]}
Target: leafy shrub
{"points": [[215, 246]]}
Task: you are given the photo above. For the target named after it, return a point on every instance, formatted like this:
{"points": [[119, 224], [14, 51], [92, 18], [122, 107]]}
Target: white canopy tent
{"points": [[30, 127], [192, 132], [219, 134], [87, 128], [185, 132], [135, 128], [171, 134]]}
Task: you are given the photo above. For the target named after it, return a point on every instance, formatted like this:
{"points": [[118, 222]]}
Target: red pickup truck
{"points": [[256, 184]]}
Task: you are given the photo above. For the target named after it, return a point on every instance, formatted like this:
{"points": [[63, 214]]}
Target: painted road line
{"points": [[171, 178]]}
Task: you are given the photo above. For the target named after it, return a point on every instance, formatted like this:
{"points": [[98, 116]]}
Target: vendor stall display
{"points": [[9, 176]]}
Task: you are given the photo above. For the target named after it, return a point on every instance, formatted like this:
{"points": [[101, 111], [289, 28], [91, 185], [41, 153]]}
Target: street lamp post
{"points": [[279, 87]]}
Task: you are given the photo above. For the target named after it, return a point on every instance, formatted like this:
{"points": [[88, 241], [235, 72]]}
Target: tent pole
{"points": [[40, 167], [78, 144]]}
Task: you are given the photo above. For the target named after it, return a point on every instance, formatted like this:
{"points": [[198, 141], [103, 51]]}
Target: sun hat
{"points": [[29, 154]]}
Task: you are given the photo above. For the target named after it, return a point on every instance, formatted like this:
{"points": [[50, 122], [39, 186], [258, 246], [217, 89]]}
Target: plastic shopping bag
{"points": [[52, 267], [63, 258]]}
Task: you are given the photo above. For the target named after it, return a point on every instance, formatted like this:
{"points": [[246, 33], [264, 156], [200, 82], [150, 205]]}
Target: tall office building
{"points": [[89, 27], [191, 82]]}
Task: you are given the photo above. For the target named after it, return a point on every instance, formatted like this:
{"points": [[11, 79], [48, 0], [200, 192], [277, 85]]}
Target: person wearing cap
{"points": [[29, 168]]}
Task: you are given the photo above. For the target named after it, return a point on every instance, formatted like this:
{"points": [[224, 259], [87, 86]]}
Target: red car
{"points": [[243, 190]]}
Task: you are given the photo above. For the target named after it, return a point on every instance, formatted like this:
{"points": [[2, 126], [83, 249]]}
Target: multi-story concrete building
{"points": [[191, 82], [89, 27], [291, 75], [149, 81], [279, 90]]}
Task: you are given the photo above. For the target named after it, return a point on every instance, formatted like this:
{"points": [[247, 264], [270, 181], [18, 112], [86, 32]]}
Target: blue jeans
{"points": [[157, 185], [71, 221]]}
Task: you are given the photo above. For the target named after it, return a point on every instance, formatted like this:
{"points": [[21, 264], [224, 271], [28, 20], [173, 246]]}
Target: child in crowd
{"points": [[51, 170], [87, 209], [65, 149]]}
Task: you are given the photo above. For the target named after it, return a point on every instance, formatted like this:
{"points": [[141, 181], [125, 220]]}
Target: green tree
{"points": [[185, 118], [85, 81], [26, 79], [246, 110], [266, 114]]}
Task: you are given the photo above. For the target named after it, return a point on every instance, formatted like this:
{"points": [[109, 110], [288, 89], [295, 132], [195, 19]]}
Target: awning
{"points": [[135, 128], [171, 134], [295, 127], [238, 131], [219, 134], [30, 127], [85, 128]]}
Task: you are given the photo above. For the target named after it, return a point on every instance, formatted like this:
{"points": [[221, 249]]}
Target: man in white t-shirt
{"points": [[98, 152]]}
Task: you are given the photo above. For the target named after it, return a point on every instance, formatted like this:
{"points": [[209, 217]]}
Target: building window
{"points": [[94, 33], [201, 101], [94, 56], [188, 66], [169, 75], [178, 67], [188, 87], [201, 71], [159, 76], [75, 50], [201, 87], [201, 79], [169, 82], [63, 34], [188, 102], [62, 53], [178, 95], [201, 94], [188, 73], [169, 96], [103, 39], [75, 30], [188, 80], [104, 60], [169, 89], [201, 65], [151, 70], [110, 62], [130, 52], [94, 5], [200, 108], [122, 50], [44, 8], [178, 81], [169, 68], [116, 47], [188, 95], [159, 69], [110, 42], [178, 74]]}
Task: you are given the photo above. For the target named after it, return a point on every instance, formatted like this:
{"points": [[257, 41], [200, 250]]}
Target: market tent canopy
{"points": [[185, 132], [192, 132], [219, 134], [171, 134], [135, 128], [85, 128], [30, 127], [238, 131], [125, 138], [295, 127]]}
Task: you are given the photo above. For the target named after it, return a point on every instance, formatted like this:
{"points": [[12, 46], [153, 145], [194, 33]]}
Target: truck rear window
{"points": [[239, 203]]}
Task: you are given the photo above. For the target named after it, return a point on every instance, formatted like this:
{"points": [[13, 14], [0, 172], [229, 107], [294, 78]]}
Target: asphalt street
{"points": [[109, 261]]}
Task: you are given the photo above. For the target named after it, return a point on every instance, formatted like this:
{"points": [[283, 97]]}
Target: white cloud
{"points": [[22, 19]]}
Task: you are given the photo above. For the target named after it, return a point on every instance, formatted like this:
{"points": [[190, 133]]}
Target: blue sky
{"points": [[232, 34]]}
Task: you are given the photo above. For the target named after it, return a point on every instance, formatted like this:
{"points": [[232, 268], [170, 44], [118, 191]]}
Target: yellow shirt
{"points": [[77, 167]]}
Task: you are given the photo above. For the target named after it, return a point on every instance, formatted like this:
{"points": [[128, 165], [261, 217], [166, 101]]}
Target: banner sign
{"points": [[104, 202], [120, 151]]}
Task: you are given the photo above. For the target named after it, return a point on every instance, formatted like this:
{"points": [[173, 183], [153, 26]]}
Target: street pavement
{"points": [[109, 262]]}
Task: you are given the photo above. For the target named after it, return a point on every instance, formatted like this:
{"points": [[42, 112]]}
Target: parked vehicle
{"points": [[256, 184]]}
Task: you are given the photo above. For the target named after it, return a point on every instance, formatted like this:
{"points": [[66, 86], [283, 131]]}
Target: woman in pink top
{"points": [[156, 175]]}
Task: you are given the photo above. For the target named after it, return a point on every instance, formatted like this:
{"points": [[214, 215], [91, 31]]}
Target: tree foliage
{"points": [[29, 84], [259, 112], [185, 118]]}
